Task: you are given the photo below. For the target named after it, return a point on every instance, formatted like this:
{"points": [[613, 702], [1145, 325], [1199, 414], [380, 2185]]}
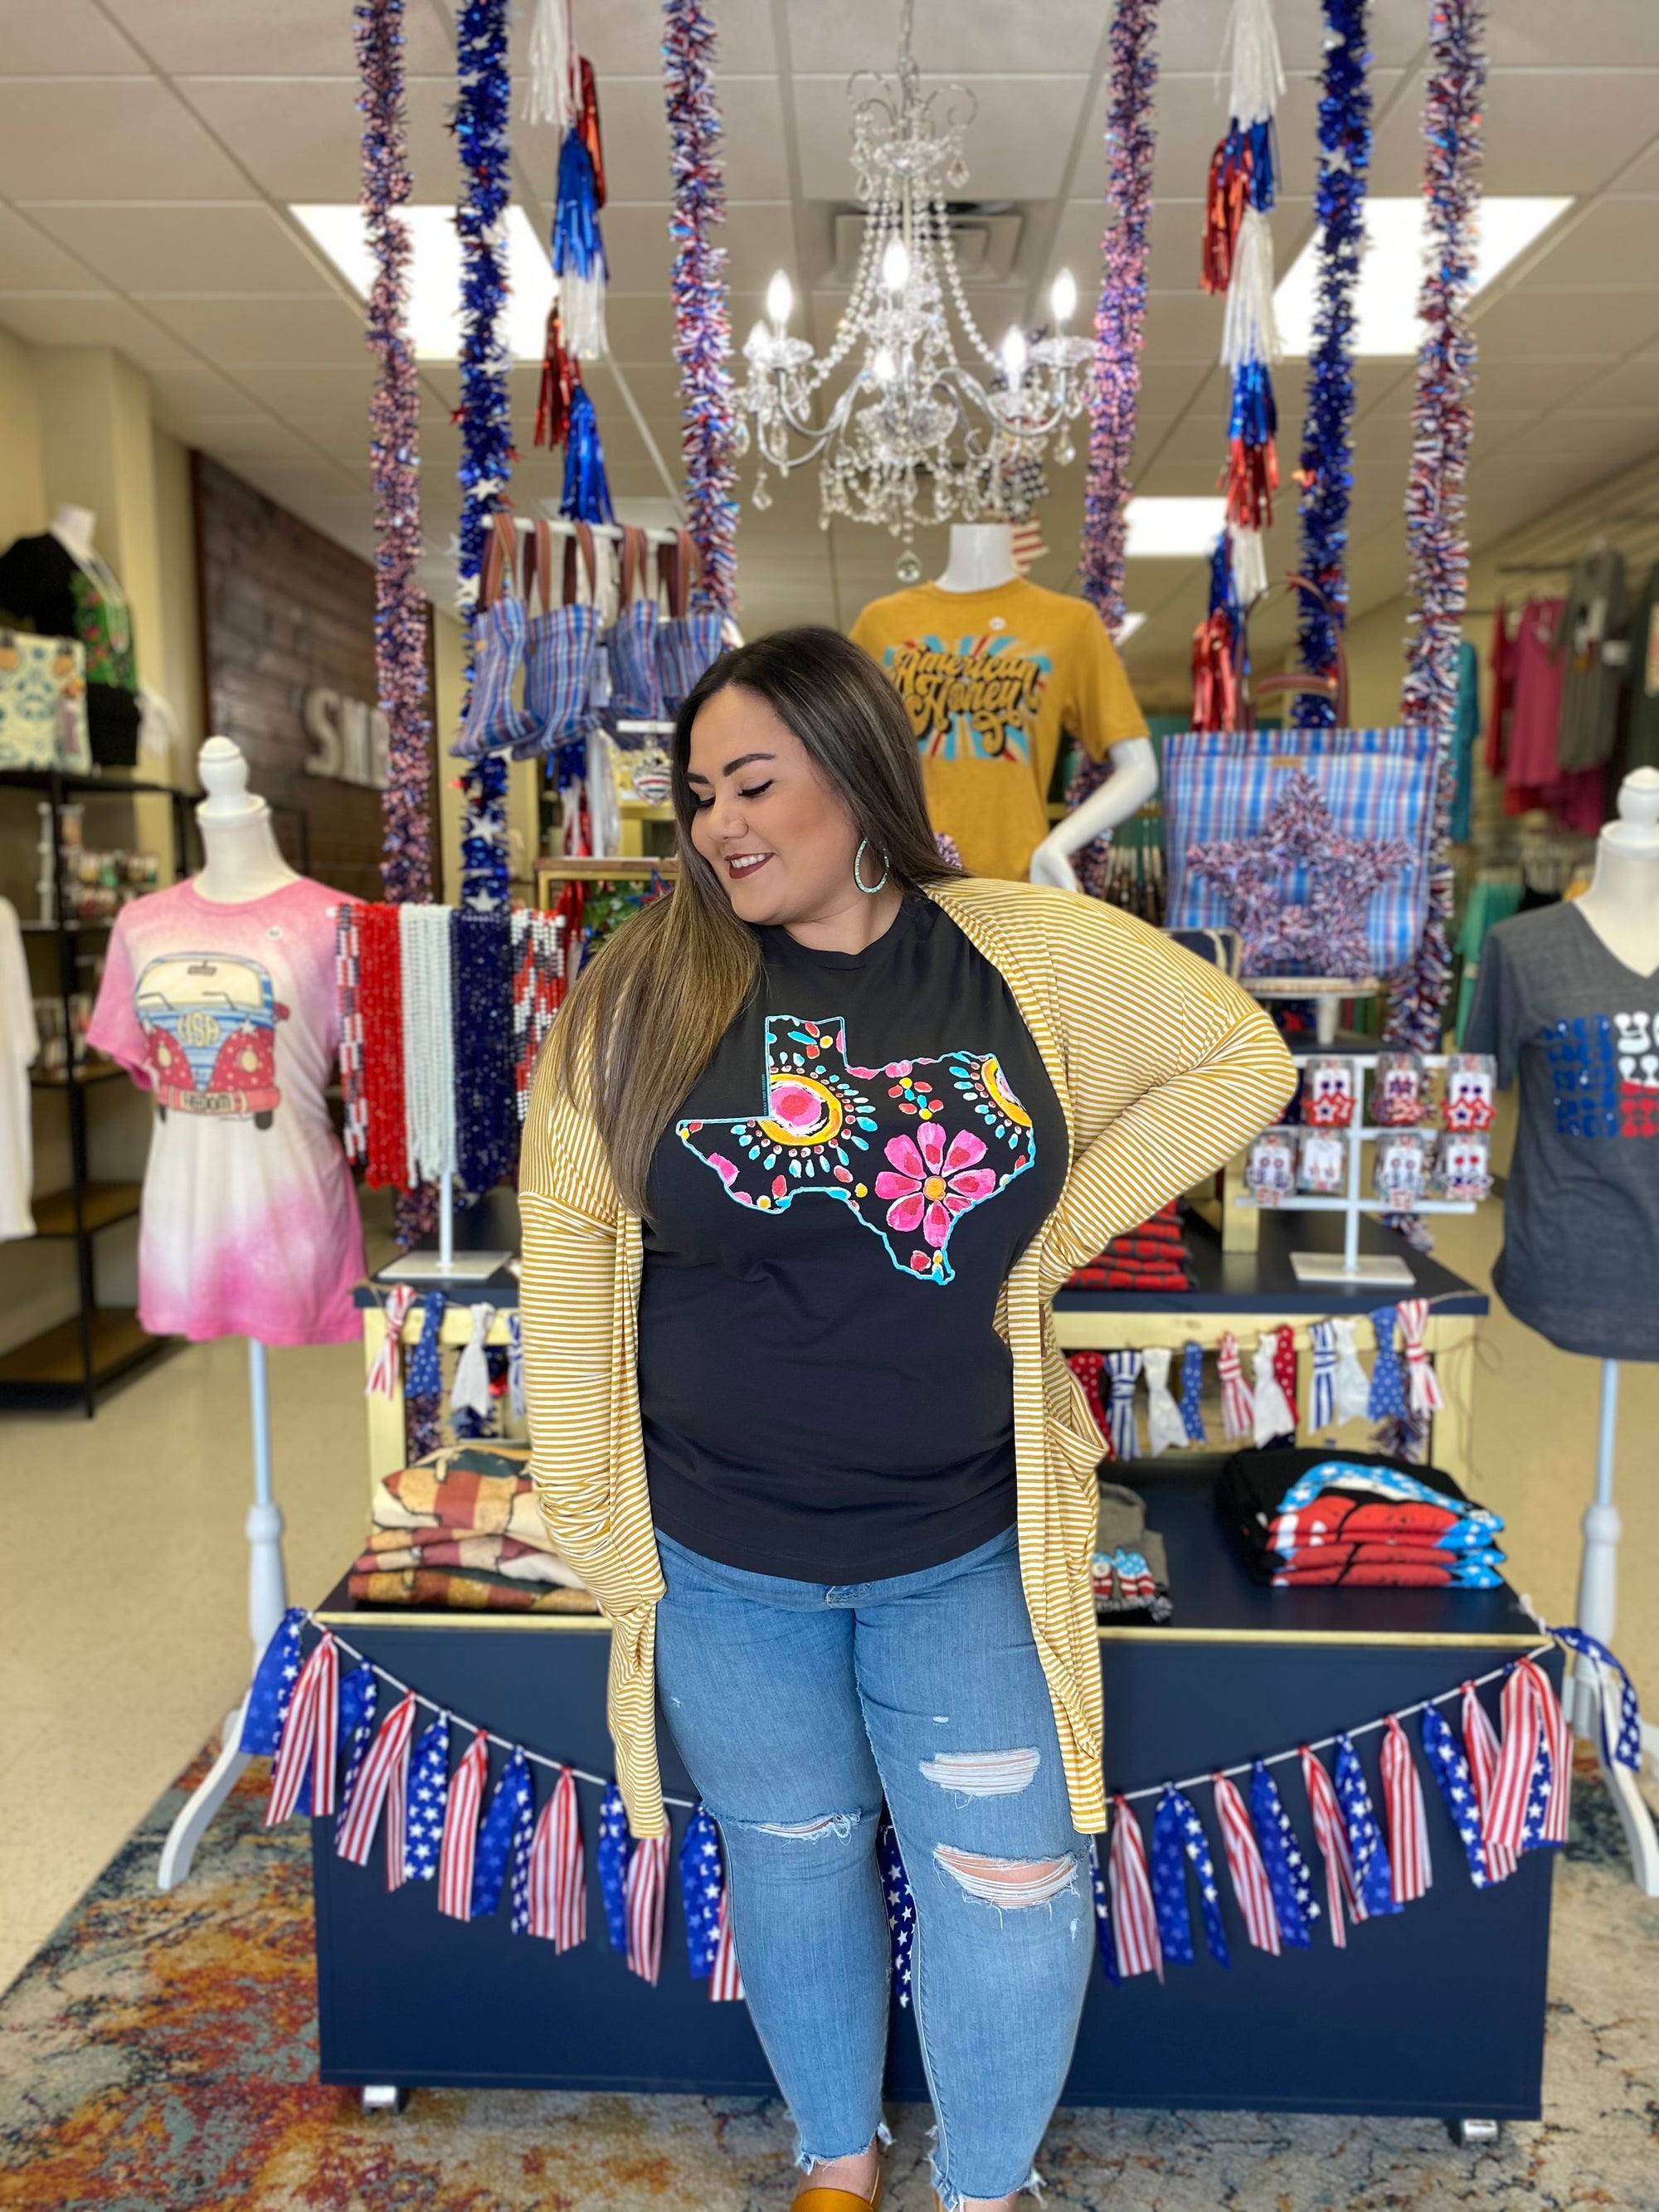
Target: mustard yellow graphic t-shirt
{"points": [[992, 680]]}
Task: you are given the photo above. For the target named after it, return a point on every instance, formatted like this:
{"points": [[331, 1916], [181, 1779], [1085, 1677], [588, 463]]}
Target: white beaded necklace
{"points": [[428, 1041]]}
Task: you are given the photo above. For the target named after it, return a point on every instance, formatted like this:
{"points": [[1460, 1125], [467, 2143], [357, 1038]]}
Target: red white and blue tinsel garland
{"points": [[702, 320], [1437, 541], [1325, 475], [394, 421], [483, 93], [1120, 314], [1506, 1790]]}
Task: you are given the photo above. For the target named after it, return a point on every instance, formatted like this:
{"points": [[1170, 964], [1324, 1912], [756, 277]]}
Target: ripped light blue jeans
{"points": [[797, 1708]]}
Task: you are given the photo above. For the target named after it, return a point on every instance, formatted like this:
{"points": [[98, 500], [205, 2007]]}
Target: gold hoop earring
{"points": [[869, 890]]}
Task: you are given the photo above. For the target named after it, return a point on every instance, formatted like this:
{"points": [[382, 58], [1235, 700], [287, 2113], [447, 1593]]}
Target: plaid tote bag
{"points": [[1377, 785]]}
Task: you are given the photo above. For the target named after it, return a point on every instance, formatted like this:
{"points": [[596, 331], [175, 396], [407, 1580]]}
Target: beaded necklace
{"points": [[428, 1040], [347, 964], [380, 992], [486, 1135], [538, 988]]}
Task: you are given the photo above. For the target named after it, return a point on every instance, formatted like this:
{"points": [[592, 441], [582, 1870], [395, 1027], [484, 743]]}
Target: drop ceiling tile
{"points": [[1605, 440], [258, 440], [90, 138], [637, 139], [232, 331], [1184, 327], [1556, 130], [759, 237], [70, 38], [1016, 146], [289, 483], [156, 247], [624, 38], [951, 40], [655, 387], [229, 38], [300, 137], [1173, 243], [1610, 244], [1631, 384], [1514, 385], [1192, 118], [180, 395], [1531, 33], [1509, 498], [1532, 321], [316, 390], [1174, 479], [97, 318], [640, 327], [31, 262]]}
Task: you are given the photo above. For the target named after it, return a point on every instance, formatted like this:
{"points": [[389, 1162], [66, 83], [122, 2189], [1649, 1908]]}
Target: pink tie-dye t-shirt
{"points": [[229, 1014]]}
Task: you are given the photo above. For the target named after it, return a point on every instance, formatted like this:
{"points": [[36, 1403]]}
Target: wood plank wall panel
{"points": [[285, 609]]}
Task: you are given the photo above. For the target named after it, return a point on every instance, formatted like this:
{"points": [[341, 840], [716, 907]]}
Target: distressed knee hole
{"points": [[982, 1774], [1010, 1883], [839, 1824]]}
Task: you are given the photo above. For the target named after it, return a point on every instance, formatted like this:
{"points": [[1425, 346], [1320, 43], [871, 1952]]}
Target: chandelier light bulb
{"points": [[894, 266], [1013, 357], [780, 299], [1062, 298], [884, 368]]}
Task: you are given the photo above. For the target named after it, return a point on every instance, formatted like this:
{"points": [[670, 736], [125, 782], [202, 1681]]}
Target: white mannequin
{"points": [[981, 557], [1622, 903], [73, 528], [243, 863]]}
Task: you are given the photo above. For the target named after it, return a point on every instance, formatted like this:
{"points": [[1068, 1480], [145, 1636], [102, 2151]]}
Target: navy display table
{"points": [[1434, 2011]]}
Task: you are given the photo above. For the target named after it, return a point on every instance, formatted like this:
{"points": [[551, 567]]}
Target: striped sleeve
{"points": [[1170, 1066]]}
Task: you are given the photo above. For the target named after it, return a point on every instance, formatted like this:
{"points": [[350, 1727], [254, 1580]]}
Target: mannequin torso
{"points": [[1622, 903], [243, 862]]}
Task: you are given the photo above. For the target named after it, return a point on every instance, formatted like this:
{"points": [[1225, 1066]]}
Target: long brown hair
{"points": [[647, 1012]]}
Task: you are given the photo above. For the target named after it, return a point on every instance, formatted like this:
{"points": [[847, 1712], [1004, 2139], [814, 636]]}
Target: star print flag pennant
{"points": [[1373, 1877], [725, 1980], [1134, 1916], [1178, 1836], [428, 1798], [512, 1808], [310, 1741], [555, 1874], [1480, 1749], [1387, 1392], [266, 1713], [702, 1885], [1289, 1875], [1252, 1891], [901, 1910], [359, 1697], [380, 1785], [1620, 1717], [1451, 1770], [1103, 1942], [1405, 1818], [460, 1839], [646, 1895], [1332, 1841], [616, 1848], [1192, 1392]]}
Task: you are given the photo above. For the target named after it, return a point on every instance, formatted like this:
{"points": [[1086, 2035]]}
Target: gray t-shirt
{"points": [[1580, 1261]]}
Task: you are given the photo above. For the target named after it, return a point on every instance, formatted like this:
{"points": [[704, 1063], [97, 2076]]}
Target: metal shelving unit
{"points": [[74, 1359]]}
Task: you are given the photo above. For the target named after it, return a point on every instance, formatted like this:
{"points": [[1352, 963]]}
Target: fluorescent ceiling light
{"points": [[1173, 529], [1391, 270], [434, 285], [1130, 624]]}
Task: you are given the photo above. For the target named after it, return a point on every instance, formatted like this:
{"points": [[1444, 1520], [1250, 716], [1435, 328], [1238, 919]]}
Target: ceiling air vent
{"points": [[984, 233]]}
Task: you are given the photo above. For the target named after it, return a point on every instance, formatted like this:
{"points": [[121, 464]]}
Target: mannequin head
{"points": [[1636, 830], [223, 772], [74, 526]]}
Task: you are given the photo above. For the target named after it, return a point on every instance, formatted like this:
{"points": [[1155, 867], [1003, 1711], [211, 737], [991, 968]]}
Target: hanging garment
{"points": [[687, 643], [44, 588], [494, 723], [635, 685], [1597, 610], [1466, 728], [231, 1016], [558, 644], [19, 1041], [1642, 674]]}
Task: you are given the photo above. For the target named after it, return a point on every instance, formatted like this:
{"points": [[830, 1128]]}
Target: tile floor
{"points": [[123, 1635]]}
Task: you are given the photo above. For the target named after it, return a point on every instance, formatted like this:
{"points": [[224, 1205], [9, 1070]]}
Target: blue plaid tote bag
{"points": [[636, 686], [494, 723], [1219, 785], [687, 644], [558, 668]]}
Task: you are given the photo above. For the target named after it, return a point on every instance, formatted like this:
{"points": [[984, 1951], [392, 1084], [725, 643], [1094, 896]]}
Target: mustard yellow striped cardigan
{"points": [[1162, 1068]]}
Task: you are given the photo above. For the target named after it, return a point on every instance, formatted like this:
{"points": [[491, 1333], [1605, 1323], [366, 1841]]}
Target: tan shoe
{"points": [[817, 2198]]}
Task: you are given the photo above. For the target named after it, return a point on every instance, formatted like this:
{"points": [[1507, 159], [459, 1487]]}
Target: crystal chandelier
{"points": [[916, 435]]}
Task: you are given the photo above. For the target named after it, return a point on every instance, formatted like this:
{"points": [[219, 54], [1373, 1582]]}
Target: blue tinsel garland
{"points": [[482, 99], [1326, 469]]}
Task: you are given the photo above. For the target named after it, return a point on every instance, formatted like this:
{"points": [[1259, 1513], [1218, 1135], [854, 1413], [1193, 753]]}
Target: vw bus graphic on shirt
{"points": [[210, 1023]]}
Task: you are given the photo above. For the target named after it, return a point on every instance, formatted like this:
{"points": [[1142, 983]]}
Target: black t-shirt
{"points": [[831, 1217]]}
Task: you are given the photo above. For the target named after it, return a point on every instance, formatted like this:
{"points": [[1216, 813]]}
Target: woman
{"points": [[815, 1141]]}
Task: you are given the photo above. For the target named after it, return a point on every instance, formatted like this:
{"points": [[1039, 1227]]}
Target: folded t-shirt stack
{"points": [[1150, 1258], [1309, 1518], [1130, 1569], [462, 1529]]}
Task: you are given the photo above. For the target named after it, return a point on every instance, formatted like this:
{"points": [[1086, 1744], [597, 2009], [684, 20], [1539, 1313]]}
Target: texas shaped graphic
{"points": [[910, 1147]]}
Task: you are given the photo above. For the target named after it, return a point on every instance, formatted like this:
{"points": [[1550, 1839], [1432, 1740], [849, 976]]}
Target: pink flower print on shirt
{"points": [[935, 1181]]}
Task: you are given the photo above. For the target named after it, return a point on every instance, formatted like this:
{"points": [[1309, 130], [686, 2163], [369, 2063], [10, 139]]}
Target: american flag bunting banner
{"points": [[1237, 1407], [1124, 1368], [1368, 1854], [1450, 1769], [512, 1810], [1423, 1392], [616, 1848], [1621, 1721], [702, 1886], [265, 1714], [556, 1875], [359, 1700], [1177, 1837], [383, 1368], [310, 1737], [1252, 1892], [1405, 1818], [1192, 1392], [726, 1976], [645, 1896], [900, 1909], [387, 1759], [1289, 1875], [1480, 1747], [1103, 1942], [429, 1799], [1332, 1838], [1134, 1916], [460, 1838]]}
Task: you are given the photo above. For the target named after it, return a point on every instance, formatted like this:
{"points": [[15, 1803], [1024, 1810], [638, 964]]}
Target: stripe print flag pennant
{"points": [[310, 1737], [1480, 1749], [554, 1874], [1252, 1891], [1332, 1838], [381, 1786], [1406, 1819], [459, 1846], [1134, 1916]]}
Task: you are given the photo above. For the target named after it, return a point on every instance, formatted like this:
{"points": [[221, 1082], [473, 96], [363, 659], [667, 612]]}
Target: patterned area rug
{"points": [[160, 2052]]}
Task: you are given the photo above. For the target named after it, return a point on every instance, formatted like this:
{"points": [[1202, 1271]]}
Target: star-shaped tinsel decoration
{"points": [[1298, 890]]}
